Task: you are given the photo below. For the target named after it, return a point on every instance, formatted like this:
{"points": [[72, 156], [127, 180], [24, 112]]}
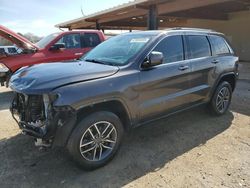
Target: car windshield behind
{"points": [[118, 50], [46, 40]]}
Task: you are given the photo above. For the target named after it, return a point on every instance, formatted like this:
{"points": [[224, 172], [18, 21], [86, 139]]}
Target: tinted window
{"points": [[12, 50], [71, 41], [198, 46], [90, 40], [172, 49], [218, 45], [2, 51]]}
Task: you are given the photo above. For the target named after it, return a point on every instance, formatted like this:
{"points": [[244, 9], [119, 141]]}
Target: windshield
{"points": [[46, 40], [118, 50]]}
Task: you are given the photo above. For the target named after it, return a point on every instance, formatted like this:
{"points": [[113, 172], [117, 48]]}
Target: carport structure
{"points": [[231, 17]]}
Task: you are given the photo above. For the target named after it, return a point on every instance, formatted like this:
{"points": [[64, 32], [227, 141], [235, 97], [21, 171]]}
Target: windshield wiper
{"points": [[95, 61], [99, 61]]}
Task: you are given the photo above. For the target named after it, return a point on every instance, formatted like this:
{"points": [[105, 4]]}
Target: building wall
{"points": [[237, 29]]}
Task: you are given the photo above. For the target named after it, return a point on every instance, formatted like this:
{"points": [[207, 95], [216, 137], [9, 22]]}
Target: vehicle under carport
{"points": [[231, 17]]}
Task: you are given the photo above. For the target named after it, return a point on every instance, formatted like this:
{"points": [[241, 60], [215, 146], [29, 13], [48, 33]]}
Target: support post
{"points": [[97, 25], [152, 18]]}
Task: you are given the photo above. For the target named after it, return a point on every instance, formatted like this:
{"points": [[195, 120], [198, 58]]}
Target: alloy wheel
{"points": [[98, 141], [223, 99]]}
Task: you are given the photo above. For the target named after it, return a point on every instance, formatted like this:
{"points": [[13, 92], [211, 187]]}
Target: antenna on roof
{"points": [[82, 11]]}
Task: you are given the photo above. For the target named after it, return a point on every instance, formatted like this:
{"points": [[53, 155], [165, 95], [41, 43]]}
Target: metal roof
{"points": [[103, 12], [171, 13]]}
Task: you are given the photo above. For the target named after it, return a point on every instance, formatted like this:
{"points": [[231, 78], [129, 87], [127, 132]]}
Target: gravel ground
{"points": [[190, 149]]}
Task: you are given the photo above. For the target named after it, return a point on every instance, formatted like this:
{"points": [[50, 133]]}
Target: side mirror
{"points": [[57, 46], [155, 58]]}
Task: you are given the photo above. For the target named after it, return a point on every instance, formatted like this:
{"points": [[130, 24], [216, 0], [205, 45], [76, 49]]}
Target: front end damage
{"points": [[37, 117]]}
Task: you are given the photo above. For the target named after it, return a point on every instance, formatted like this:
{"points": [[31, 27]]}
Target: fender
{"points": [[96, 102], [63, 132], [220, 78]]}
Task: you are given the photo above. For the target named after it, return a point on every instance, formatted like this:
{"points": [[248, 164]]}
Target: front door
{"points": [[73, 48], [165, 88]]}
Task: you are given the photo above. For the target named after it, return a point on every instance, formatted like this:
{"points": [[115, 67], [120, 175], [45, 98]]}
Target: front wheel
{"points": [[95, 140], [221, 99]]}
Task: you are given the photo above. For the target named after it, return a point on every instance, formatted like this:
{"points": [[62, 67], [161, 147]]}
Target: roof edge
{"points": [[124, 5]]}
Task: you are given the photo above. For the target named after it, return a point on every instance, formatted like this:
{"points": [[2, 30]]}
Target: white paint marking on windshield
{"points": [[140, 40]]}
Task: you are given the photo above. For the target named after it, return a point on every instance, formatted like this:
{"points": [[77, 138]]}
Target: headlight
{"points": [[3, 68], [53, 97]]}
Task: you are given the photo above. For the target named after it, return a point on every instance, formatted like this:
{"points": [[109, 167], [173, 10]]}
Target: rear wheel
{"points": [[96, 139], [221, 99]]}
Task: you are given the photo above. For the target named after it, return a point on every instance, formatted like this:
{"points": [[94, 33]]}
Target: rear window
{"points": [[90, 40], [198, 46], [219, 45]]}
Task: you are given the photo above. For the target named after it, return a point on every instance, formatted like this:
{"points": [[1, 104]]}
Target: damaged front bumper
{"points": [[37, 117]]}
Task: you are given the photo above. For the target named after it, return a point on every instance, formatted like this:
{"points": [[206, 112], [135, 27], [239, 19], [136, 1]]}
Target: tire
{"points": [[86, 134], [222, 93]]}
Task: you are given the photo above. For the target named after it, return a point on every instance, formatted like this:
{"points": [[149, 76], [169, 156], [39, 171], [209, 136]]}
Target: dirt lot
{"points": [[191, 149]]}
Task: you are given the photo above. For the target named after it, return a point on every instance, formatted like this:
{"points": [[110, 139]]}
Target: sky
{"points": [[40, 16]]}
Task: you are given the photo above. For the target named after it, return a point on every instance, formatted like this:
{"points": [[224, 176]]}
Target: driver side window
{"points": [[71, 41], [172, 49]]}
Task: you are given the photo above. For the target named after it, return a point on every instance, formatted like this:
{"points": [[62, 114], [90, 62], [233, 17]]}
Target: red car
{"points": [[55, 47]]}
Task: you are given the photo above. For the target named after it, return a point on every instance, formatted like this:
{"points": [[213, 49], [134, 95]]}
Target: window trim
{"points": [[82, 39], [69, 34], [188, 46], [230, 51], [152, 49]]}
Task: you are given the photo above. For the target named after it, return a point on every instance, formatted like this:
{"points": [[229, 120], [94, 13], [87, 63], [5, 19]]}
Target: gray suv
{"points": [[127, 81]]}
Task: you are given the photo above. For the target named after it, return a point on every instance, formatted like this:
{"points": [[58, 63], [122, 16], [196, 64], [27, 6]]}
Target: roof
{"points": [[175, 30], [171, 13]]}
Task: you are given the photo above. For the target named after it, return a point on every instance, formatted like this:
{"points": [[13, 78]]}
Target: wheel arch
{"points": [[230, 77], [116, 106]]}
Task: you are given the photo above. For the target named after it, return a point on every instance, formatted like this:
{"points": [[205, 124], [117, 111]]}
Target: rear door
{"points": [[89, 41], [202, 66], [165, 88]]}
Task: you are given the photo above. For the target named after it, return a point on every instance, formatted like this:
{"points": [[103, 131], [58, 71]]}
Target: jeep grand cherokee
{"points": [[126, 81]]}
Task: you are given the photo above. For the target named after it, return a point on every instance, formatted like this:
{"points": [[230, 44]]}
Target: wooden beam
{"points": [[114, 17], [200, 14], [180, 5], [169, 7]]}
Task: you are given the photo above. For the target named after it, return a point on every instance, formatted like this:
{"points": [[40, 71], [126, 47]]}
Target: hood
{"points": [[43, 78], [19, 40]]}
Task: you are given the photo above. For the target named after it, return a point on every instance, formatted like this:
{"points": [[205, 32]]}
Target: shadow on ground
{"points": [[241, 98], [144, 150]]}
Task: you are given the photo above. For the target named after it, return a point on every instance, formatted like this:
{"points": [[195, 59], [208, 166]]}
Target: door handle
{"points": [[215, 61], [183, 67], [78, 53]]}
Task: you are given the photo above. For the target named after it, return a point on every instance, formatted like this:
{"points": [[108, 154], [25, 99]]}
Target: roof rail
{"points": [[190, 28]]}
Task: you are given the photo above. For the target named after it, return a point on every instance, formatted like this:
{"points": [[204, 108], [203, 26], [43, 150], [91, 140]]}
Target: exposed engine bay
{"points": [[37, 117]]}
